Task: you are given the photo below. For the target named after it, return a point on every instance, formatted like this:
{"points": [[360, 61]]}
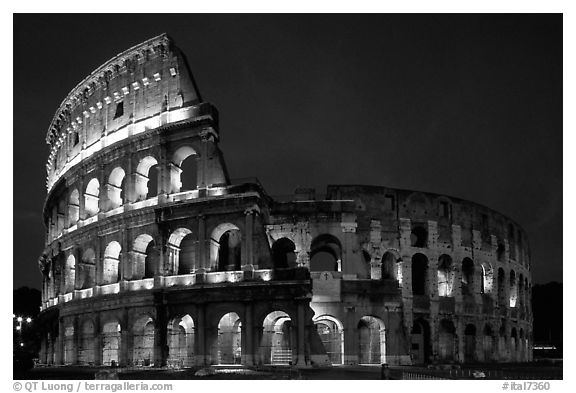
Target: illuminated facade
{"points": [[154, 257]]}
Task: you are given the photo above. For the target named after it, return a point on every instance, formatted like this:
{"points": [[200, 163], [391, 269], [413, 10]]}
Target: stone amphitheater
{"points": [[154, 257]]}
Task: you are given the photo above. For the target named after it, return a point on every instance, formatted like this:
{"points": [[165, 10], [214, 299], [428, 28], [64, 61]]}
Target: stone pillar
{"points": [[351, 345], [103, 201], [59, 348], [249, 237], [250, 347], [376, 268], [349, 230], [257, 334], [202, 164], [160, 337], [202, 250], [124, 257], [98, 342], [200, 338], [124, 357], [172, 177], [128, 181], [81, 200], [301, 334], [136, 187], [460, 354], [164, 172], [77, 342], [98, 261]]}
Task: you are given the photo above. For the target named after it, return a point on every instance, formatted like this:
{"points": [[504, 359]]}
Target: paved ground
{"points": [[504, 371]]}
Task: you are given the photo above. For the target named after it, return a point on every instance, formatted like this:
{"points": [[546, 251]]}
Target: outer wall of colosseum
{"points": [[155, 257]]}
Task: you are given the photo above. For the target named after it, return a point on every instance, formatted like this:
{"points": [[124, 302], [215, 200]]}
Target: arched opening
{"points": [[420, 338], [111, 343], [325, 254], [445, 275], [187, 260], [111, 263], [419, 274], [146, 179], [513, 289], [371, 341], [277, 339], [502, 342], [86, 344], [87, 269], [226, 248], [114, 188], [470, 343], [177, 171], [521, 291], [500, 252], [181, 342], [388, 266], [419, 236], [143, 342], [283, 253], [488, 343], [61, 217], [446, 340], [514, 345], [467, 277], [189, 174], [229, 339], [73, 208], [91, 195], [180, 263], [331, 332], [69, 274], [521, 347], [69, 345], [145, 256], [501, 288]]}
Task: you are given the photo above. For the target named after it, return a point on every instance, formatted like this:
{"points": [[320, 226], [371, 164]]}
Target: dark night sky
{"points": [[468, 106]]}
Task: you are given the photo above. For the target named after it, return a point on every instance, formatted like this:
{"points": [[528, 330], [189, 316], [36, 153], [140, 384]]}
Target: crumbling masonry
{"points": [[154, 257]]}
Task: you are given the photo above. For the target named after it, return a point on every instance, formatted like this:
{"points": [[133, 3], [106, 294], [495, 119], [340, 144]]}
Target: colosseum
{"points": [[154, 257]]}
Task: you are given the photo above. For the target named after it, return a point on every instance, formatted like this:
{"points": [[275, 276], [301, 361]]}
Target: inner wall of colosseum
{"points": [[155, 257]]}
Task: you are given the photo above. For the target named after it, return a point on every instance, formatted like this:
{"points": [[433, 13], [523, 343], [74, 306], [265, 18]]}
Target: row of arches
{"points": [[143, 258], [277, 344], [447, 275], [484, 345], [97, 197]]}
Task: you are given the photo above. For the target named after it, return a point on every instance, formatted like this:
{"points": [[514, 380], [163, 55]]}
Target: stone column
{"points": [[172, 177], [98, 260], [351, 345], [460, 354], [301, 360], [160, 337], [249, 349], [59, 348], [202, 249], [200, 338], [349, 230], [124, 257], [98, 342], [81, 200], [76, 339], [248, 237], [125, 344], [164, 172], [103, 200]]}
